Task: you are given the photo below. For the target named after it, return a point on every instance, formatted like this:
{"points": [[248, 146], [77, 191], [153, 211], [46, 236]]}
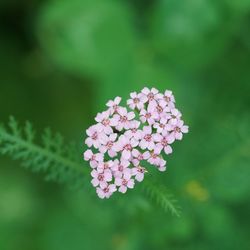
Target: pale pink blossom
{"points": [[108, 144], [106, 190], [151, 94], [137, 100], [139, 172], [94, 133], [162, 110], [156, 160], [160, 126], [125, 145], [106, 122], [100, 179], [149, 115], [169, 98], [114, 104], [175, 116], [139, 156], [94, 159], [103, 166], [121, 168], [123, 119], [147, 141], [179, 129], [134, 130], [124, 183], [164, 141]]}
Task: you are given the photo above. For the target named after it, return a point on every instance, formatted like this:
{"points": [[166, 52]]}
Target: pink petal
{"points": [[93, 164], [95, 182], [135, 152], [154, 91], [145, 91], [131, 115], [110, 103], [184, 129], [117, 100], [157, 137], [123, 189], [88, 154], [133, 95], [100, 193], [131, 183], [147, 130], [94, 173], [123, 111], [168, 150], [134, 142], [99, 157], [151, 145], [118, 181], [146, 155], [107, 176], [126, 154], [89, 142], [127, 173], [112, 153], [178, 136], [143, 144], [112, 188], [139, 177]]}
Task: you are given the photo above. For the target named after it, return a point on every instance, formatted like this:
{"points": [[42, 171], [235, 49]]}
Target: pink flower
{"points": [[103, 166], [169, 98], [137, 100], [175, 116], [114, 104], [106, 191], [161, 109], [106, 122], [94, 159], [124, 183], [121, 168], [138, 156], [108, 144], [125, 145], [179, 129], [151, 95], [100, 179], [123, 119], [149, 115], [164, 142], [94, 133], [147, 141], [156, 160], [160, 126], [138, 172], [134, 131]]}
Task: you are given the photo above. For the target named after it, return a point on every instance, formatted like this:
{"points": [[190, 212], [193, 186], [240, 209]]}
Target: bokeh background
{"points": [[60, 60]]}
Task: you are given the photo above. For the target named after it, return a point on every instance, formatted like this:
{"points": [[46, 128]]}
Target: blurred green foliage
{"points": [[62, 59]]}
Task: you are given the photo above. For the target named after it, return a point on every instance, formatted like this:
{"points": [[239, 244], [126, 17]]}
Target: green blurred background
{"points": [[62, 59]]}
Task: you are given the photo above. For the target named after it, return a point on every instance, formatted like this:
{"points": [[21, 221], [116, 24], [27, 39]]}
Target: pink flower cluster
{"points": [[122, 140]]}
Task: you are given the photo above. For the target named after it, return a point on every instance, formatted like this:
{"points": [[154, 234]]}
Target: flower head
{"points": [[123, 141]]}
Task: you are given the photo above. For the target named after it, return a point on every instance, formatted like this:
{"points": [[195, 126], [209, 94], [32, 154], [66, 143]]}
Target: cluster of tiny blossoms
{"points": [[121, 140]]}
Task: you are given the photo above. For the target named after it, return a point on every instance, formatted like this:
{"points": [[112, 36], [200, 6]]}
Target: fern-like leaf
{"points": [[162, 197], [51, 157]]}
